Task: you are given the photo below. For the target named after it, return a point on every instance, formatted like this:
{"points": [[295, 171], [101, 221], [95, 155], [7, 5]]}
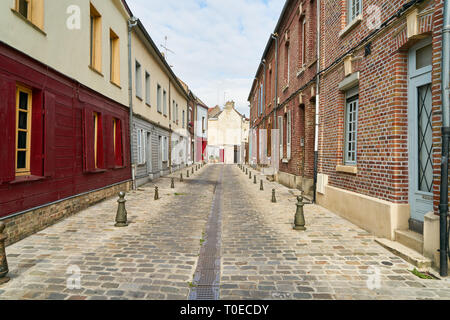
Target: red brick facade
{"points": [[380, 58]]}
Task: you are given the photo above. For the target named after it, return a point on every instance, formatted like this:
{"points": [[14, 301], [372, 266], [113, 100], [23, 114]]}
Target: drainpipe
{"points": [[275, 123], [316, 132], [263, 111], [131, 24], [443, 207]]}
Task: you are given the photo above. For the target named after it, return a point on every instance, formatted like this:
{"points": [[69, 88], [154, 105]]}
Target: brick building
{"points": [[283, 97], [377, 90]]}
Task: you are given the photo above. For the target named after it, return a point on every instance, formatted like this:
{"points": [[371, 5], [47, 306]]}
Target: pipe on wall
{"points": [[131, 24], [316, 130], [443, 206]]}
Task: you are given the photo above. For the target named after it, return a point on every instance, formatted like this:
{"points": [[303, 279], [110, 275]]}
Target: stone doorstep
{"points": [[411, 256], [410, 239]]}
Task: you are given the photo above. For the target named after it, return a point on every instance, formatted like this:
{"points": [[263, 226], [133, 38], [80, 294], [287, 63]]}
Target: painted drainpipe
{"points": [[443, 207], [131, 24], [316, 130]]}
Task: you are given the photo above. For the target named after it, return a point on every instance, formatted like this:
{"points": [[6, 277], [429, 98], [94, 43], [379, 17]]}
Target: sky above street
{"points": [[215, 45]]}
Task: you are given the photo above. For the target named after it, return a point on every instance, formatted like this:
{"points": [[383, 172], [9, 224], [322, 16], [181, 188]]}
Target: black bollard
{"points": [[299, 223], [254, 179], [172, 183], [274, 199], [156, 193], [187, 174], [192, 170], [121, 217], [250, 175], [261, 186], [3, 262], [181, 177]]}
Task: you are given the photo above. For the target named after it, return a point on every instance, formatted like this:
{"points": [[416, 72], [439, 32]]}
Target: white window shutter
{"points": [[289, 135]]}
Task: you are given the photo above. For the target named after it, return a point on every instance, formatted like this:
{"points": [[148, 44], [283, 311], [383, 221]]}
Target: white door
{"points": [[420, 131]]}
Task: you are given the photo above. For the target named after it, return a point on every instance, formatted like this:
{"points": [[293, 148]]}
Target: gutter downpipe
{"points": [[316, 131], [131, 24], [275, 124], [263, 109], [443, 207]]}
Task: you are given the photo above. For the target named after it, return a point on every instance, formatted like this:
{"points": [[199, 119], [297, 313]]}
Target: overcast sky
{"points": [[217, 44]]}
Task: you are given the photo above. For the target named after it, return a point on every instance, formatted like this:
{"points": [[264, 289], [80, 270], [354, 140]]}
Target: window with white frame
{"points": [[353, 10], [165, 103], [147, 88], [158, 102], [138, 80], [141, 144], [280, 128], [289, 134], [351, 127]]}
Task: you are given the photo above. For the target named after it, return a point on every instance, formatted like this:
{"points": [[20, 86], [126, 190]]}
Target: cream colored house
{"points": [[227, 135], [57, 34], [160, 136]]}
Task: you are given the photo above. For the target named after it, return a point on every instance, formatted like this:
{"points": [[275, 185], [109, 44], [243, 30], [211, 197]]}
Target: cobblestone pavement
{"points": [[262, 257], [153, 258]]}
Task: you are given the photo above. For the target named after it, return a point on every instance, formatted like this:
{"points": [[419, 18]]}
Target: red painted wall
{"points": [[62, 162]]}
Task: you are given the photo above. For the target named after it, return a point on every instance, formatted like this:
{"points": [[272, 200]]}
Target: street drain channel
{"points": [[207, 274]]}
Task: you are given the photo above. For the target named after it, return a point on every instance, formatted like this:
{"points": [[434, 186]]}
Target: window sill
{"points": [[98, 171], [148, 105], [24, 179], [347, 169], [350, 26], [285, 160], [115, 84], [139, 98], [96, 71], [285, 88], [301, 71], [119, 167], [30, 23]]}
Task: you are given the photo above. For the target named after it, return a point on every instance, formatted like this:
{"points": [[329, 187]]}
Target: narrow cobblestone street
{"points": [[261, 256]]}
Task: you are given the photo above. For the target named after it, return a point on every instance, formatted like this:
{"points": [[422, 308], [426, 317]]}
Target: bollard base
{"points": [[299, 228], [4, 280]]}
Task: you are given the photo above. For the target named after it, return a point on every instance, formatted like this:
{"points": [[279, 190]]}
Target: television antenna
{"points": [[166, 49]]}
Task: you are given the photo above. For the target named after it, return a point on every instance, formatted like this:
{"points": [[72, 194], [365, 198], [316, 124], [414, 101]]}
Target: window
{"points": [[23, 129], [114, 49], [118, 147], [141, 142], [147, 88], [158, 93], [351, 127], [98, 140], [354, 9], [280, 128], [287, 64], [203, 124], [138, 80], [302, 42], [32, 10], [177, 117], [165, 103], [174, 117], [289, 134], [183, 117], [95, 40]]}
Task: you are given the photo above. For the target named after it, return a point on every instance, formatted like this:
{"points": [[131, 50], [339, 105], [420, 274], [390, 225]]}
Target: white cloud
{"points": [[217, 43]]}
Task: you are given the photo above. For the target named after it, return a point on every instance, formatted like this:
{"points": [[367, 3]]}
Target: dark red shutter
{"points": [[49, 134], [125, 143], [109, 141], [88, 140], [119, 144], [100, 144], [7, 130]]}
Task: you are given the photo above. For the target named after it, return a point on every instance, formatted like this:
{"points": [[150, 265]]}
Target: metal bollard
{"points": [[254, 179], [261, 186], [181, 177], [156, 193], [187, 174], [299, 223], [172, 183], [192, 170], [250, 175], [3, 262], [121, 217], [274, 199], [246, 171]]}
